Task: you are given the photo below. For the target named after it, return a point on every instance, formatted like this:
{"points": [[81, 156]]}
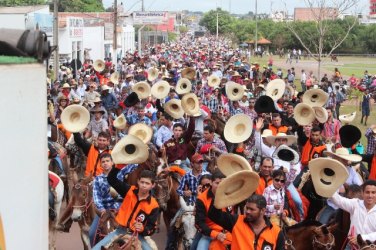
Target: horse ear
{"points": [[332, 227], [360, 240], [75, 177], [325, 230], [88, 178]]}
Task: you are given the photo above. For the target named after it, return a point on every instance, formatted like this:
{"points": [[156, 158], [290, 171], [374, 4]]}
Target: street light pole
{"points": [[56, 38], [114, 41], [142, 5], [256, 26]]}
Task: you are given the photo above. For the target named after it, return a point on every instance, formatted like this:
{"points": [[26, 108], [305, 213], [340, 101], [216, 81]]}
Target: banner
{"points": [[150, 17]]}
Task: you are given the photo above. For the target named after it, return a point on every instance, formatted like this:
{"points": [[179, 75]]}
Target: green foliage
{"points": [[172, 36], [183, 29], [81, 6], [225, 20], [9, 3]]}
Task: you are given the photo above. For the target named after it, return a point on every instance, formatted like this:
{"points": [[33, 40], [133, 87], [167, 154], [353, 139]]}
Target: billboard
{"points": [[76, 27], [150, 17]]}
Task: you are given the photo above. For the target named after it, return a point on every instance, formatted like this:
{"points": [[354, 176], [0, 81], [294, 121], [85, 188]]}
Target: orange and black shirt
{"points": [[309, 150], [275, 130], [243, 237], [132, 209], [263, 183]]}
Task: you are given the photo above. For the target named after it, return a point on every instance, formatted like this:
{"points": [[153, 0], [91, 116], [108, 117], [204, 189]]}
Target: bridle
{"points": [[168, 180], [327, 246], [372, 246], [88, 202]]}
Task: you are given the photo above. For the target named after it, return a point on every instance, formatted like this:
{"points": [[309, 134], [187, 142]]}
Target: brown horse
{"points": [[309, 235], [365, 245], [106, 225]]}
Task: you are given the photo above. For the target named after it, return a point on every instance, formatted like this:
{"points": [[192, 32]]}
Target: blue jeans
{"points": [[326, 214], [195, 241], [204, 242], [297, 200], [185, 165], [119, 231], [93, 230]]}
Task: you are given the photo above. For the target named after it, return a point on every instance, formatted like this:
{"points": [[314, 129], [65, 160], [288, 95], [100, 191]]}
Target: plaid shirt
{"points": [[234, 111], [133, 119], [212, 104], [250, 112], [371, 141], [216, 142], [274, 196], [101, 190], [191, 182]]}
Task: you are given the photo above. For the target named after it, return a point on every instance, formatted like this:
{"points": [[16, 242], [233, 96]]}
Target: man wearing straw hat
{"points": [[90, 95]]}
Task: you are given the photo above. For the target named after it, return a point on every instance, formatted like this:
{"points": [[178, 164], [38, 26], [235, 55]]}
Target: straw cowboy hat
{"points": [[285, 153], [183, 86], [236, 188], [130, 150], [234, 91], [142, 89], [98, 109], [349, 135], [327, 175], [190, 104], [174, 109], [152, 74], [75, 118], [213, 81], [189, 73], [120, 122], [290, 138], [265, 104], [160, 90], [232, 163], [238, 128], [344, 154], [304, 114], [348, 118], [141, 131], [104, 88], [275, 89], [266, 133], [115, 77], [321, 114], [66, 86], [315, 97], [99, 65]]}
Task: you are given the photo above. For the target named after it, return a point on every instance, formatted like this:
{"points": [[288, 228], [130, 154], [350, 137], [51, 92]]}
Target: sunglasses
{"points": [[279, 180], [207, 185]]}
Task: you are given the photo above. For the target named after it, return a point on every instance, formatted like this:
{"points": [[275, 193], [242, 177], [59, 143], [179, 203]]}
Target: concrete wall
{"points": [[24, 171], [94, 39]]}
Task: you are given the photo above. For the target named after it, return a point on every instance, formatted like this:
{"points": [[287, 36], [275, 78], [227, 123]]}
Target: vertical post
{"points": [[56, 39], [139, 40], [229, 6], [256, 38], [142, 5], [114, 38]]}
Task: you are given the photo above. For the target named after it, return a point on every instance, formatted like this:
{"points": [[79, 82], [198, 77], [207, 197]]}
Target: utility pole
{"points": [[56, 39], [256, 27], [142, 5], [229, 6], [114, 41]]}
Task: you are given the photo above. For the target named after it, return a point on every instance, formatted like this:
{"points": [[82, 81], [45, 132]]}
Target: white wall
{"points": [[24, 172], [128, 39], [94, 39], [13, 21]]}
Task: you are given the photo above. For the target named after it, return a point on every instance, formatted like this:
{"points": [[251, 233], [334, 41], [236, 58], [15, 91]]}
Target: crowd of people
{"points": [[213, 68]]}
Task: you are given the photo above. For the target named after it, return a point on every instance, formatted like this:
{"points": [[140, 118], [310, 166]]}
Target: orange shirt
{"points": [[281, 129]]}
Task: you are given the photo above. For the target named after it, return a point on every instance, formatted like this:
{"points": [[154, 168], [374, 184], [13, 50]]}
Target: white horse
{"points": [[59, 193], [188, 221]]}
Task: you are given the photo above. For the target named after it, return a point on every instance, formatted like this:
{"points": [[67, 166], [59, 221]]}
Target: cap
{"points": [[197, 157]]}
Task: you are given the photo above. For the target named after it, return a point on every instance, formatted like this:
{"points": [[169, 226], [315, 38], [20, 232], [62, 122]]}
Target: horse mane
{"points": [[305, 223]]}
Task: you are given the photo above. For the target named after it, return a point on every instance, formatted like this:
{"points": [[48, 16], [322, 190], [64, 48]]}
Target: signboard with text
{"points": [[76, 27], [150, 17]]}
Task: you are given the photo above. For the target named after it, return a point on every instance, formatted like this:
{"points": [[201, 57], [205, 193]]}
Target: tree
{"points": [[324, 35], [80, 6], [9, 3], [225, 20]]}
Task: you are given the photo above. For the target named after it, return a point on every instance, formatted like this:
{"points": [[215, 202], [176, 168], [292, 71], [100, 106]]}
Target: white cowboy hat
{"points": [[105, 87], [142, 89], [120, 122], [99, 65], [327, 175], [348, 118], [236, 188], [275, 89], [344, 154], [184, 86], [266, 133], [141, 131], [285, 153], [213, 81], [315, 97], [304, 114], [234, 91], [115, 77], [238, 128], [232, 163], [290, 138], [75, 118], [130, 150], [190, 104], [66, 86], [321, 114], [152, 74], [160, 89], [174, 109]]}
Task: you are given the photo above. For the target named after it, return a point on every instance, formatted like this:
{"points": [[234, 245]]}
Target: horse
{"points": [[59, 194], [365, 245], [81, 207], [309, 235], [53, 166], [106, 225], [184, 223], [128, 242]]}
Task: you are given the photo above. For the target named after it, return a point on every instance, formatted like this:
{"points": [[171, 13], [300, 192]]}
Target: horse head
{"points": [[365, 245], [82, 196], [188, 220], [162, 189], [323, 237]]}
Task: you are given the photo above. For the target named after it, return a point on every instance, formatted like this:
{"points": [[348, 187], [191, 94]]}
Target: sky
{"points": [[237, 6]]}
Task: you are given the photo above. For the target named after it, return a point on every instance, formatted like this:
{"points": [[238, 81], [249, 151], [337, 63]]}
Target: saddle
{"points": [[125, 242]]}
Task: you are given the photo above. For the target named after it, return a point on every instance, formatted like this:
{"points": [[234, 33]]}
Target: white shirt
{"points": [[362, 220]]}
